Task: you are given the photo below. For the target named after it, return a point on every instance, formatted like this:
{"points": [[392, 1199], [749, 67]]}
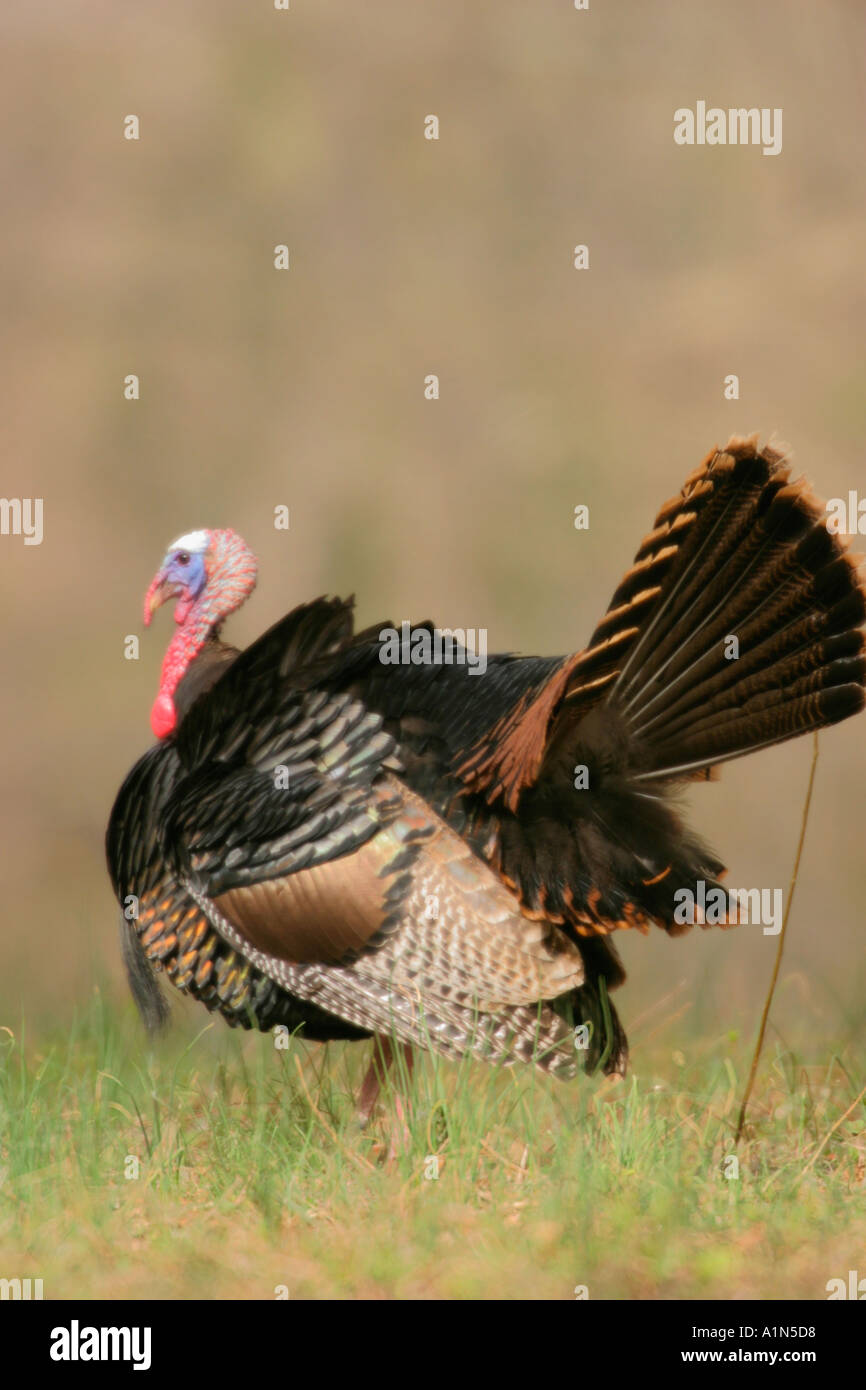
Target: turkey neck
{"points": [[205, 669]]}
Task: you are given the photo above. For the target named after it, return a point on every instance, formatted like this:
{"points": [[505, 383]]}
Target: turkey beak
{"points": [[160, 591]]}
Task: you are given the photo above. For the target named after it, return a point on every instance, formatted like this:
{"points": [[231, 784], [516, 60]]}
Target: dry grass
{"points": [[253, 1175]]}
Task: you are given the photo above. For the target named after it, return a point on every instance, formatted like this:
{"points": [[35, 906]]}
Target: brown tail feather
{"points": [[743, 553]]}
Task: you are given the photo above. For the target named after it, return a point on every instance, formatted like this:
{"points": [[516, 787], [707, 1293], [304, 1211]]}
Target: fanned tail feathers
{"points": [[737, 627]]}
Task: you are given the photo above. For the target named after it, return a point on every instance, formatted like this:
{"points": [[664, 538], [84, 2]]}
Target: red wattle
{"points": [[163, 716]]}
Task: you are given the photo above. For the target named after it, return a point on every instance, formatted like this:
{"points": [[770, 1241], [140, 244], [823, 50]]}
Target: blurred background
{"points": [[306, 387]]}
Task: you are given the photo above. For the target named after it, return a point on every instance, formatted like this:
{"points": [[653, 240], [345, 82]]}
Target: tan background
{"points": [[306, 388]]}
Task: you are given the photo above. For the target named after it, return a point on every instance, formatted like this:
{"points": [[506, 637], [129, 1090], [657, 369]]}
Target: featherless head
{"points": [[214, 570], [208, 574]]}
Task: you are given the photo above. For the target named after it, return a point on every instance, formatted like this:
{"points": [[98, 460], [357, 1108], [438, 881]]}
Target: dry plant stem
{"points": [[781, 946], [829, 1135]]}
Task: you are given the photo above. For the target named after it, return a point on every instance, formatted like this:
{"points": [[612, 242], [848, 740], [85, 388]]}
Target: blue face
{"points": [[186, 568]]}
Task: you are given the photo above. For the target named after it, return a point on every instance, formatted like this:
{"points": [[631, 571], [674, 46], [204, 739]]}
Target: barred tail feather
{"points": [[738, 627]]}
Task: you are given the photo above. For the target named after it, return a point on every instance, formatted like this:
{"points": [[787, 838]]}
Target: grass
{"points": [[220, 1167]]}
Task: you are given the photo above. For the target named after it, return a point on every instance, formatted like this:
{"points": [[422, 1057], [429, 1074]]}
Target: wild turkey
{"points": [[352, 848]]}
